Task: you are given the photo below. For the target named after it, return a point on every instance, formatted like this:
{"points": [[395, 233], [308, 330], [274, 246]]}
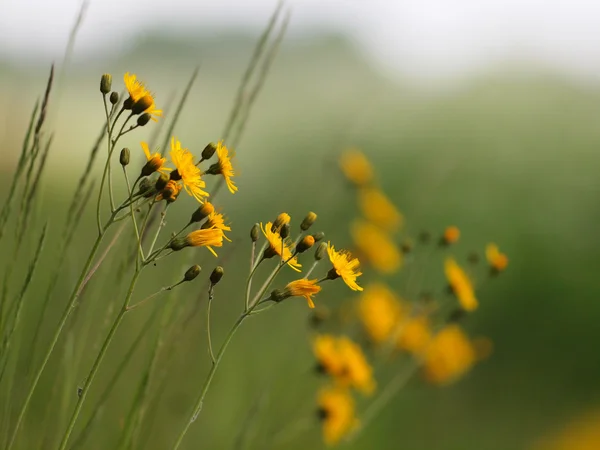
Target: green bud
{"points": [[209, 151], [278, 295], [128, 103], [308, 221], [114, 98], [306, 243], [216, 275], [319, 236], [144, 119], [105, 83], [124, 157], [285, 231], [178, 244], [161, 182], [254, 232], [320, 251], [202, 212], [192, 273]]}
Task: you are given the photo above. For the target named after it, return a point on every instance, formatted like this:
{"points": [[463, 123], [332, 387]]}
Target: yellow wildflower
{"points": [[356, 167], [277, 245], [496, 259], [337, 411], [170, 192], [461, 285], [378, 209], [345, 266], [186, 171], [449, 355], [377, 247], [326, 352], [224, 167], [415, 335], [155, 162], [451, 235], [208, 238], [583, 433], [138, 93], [302, 288], [216, 220], [379, 310]]}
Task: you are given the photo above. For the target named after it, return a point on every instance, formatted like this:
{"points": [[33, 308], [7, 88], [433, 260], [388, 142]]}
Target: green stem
{"points": [[269, 280], [210, 299], [108, 133], [160, 226], [72, 302], [90, 378], [207, 382], [249, 281]]}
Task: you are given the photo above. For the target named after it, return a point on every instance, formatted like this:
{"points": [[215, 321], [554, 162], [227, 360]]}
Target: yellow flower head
{"points": [[209, 238], [156, 163], [378, 209], [497, 260], [337, 411], [170, 192], [281, 220], [377, 247], [278, 246], [186, 171], [302, 288], [461, 285], [451, 235], [141, 95], [581, 433], [345, 266], [216, 220], [379, 310], [224, 167], [415, 335], [449, 355], [345, 361], [356, 167]]}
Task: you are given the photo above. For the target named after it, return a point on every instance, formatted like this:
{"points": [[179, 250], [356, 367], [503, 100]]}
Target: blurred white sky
{"points": [[420, 38]]}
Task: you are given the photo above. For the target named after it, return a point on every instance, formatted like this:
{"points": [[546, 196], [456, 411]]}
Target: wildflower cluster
{"points": [[402, 330]]}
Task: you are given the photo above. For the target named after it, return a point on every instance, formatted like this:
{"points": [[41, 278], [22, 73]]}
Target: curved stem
{"points": [[61, 325], [160, 226], [249, 281], [108, 133], [90, 378]]}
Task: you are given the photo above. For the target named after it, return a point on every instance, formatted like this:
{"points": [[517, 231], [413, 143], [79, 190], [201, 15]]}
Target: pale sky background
{"points": [[430, 39]]}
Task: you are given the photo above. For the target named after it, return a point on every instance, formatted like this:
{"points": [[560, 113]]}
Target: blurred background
{"points": [[480, 114]]}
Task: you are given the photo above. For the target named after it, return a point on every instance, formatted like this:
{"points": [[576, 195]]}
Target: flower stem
{"points": [[90, 378], [210, 299], [207, 382]]}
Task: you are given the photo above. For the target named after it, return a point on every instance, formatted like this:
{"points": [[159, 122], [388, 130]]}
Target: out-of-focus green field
{"points": [[511, 158]]}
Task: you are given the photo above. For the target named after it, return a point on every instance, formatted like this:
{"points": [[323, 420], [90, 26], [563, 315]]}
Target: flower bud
{"points": [[278, 295], [318, 236], [216, 275], [308, 221], [161, 182], [209, 151], [254, 232], [280, 221], [144, 119], [285, 231], [202, 212], [320, 251], [306, 243], [142, 104], [145, 186], [179, 244], [105, 83], [128, 103], [114, 98], [124, 157], [450, 236], [192, 273]]}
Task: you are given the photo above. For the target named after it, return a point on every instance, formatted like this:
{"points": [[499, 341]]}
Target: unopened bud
{"points": [[202, 212], [179, 244], [308, 221], [114, 98], [105, 83], [285, 231], [319, 236], [306, 243], [216, 275], [124, 157], [254, 232], [278, 295], [209, 151], [161, 182], [144, 119], [280, 221], [192, 273], [451, 235], [128, 103], [145, 186], [320, 251], [142, 104]]}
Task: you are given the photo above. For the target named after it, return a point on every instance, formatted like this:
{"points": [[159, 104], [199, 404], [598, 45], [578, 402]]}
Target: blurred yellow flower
{"points": [[337, 411], [356, 167], [583, 433], [449, 355], [461, 285], [415, 335], [156, 163], [326, 352], [451, 235], [377, 247], [186, 171], [497, 260], [303, 288], [139, 93], [378, 209], [277, 245], [345, 266], [380, 311], [224, 167]]}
